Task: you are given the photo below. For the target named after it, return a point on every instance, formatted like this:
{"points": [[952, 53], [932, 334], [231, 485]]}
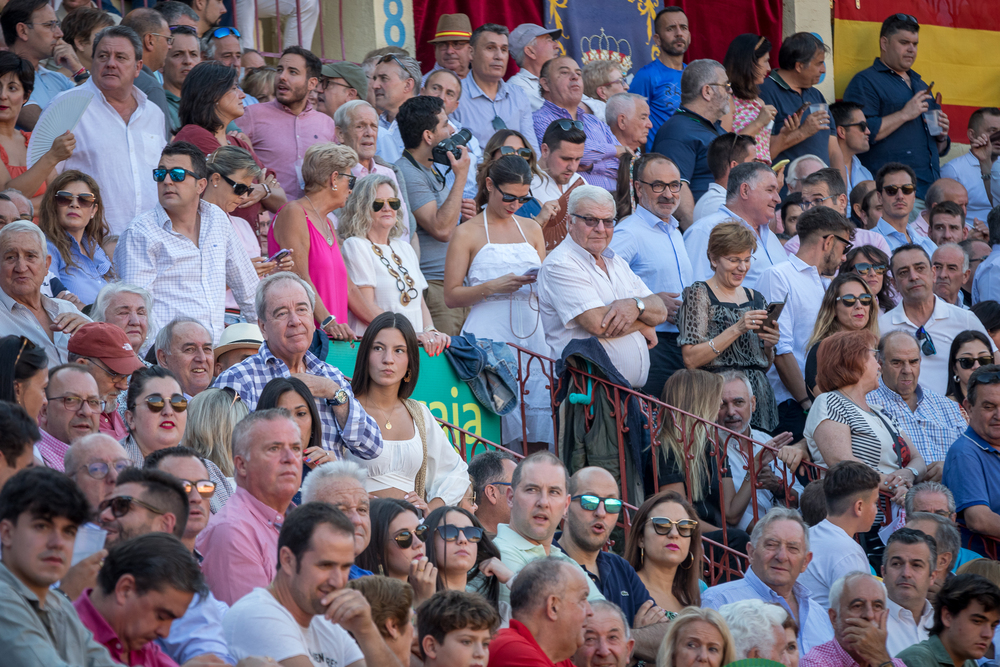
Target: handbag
{"points": [[899, 446], [414, 408]]}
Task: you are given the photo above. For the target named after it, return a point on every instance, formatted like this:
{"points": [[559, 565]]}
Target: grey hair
{"points": [[173, 10], [330, 472], [750, 173], [227, 160], [212, 416], [946, 534], [752, 624], [614, 610], [535, 583], [98, 312], [618, 104], [344, 115], [165, 335], [590, 194], [697, 75], [119, 31], [774, 515], [242, 432], [27, 227], [357, 214], [793, 178], [260, 298], [596, 74], [954, 246], [11, 193], [837, 589], [737, 375], [322, 159], [928, 487], [410, 68]]}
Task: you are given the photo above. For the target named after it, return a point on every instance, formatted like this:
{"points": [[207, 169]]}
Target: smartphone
{"points": [[280, 255], [531, 273], [778, 166], [773, 313]]}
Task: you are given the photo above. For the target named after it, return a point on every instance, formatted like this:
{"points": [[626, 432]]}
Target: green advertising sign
{"points": [[438, 387]]}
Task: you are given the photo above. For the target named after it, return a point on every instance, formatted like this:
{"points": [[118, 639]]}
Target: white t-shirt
{"points": [[366, 270], [835, 553], [258, 625]]}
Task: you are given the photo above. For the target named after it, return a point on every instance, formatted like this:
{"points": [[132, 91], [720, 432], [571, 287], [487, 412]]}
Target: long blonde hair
{"points": [[826, 320], [212, 416], [699, 393], [668, 647], [356, 216]]}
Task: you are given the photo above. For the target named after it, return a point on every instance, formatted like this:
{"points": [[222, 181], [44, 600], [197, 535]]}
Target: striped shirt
{"points": [[933, 426], [599, 165], [871, 441]]}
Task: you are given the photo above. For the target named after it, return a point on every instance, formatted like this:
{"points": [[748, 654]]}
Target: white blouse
{"points": [[366, 270], [398, 464]]}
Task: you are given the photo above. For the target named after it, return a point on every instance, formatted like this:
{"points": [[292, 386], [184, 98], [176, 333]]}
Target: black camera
{"points": [[450, 145]]}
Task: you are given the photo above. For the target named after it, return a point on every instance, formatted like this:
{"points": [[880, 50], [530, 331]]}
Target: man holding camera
{"points": [[435, 198]]}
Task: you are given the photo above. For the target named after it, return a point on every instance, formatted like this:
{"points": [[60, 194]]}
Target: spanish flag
{"points": [[958, 40]]}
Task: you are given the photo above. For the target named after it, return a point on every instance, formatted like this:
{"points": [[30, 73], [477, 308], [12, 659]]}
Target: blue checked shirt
{"points": [[360, 434], [936, 423]]}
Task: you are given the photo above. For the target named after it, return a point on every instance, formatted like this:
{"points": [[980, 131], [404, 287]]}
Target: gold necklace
{"points": [[388, 424]]}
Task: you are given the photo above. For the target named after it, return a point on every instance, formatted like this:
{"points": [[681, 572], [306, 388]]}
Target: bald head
{"points": [[946, 189], [96, 454], [588, 477]]}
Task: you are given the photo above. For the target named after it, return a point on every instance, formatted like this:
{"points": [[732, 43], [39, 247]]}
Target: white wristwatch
{"points": [[640, 305]]}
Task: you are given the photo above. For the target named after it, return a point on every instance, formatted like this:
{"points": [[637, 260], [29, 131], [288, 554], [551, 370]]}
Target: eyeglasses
{"points": [[169, 38], [522, 152], [122, 505], [565, 124], [864, 267], [847, 244], [239, 189], [85, 199], [662, 526], [74, 403], [100, 469], [906, 18], [404, 538], [970, 362], [449, 532], [850, 299], [509, 198], [205, 487], [727, 86], [593, 222], [156, 403], [51, 25], [177, 174], [927, 346], [183, 30], [379, 204], [861, 125], [219, 33], [806, 205], [324, 84], [659, 186], [24, 343], [115, 377], [891, 190], [591, 502], [351, 179]]}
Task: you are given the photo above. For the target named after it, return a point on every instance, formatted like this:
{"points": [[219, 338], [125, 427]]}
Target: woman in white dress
{"points": [[492, 263], [385, 268], [418, 463]]}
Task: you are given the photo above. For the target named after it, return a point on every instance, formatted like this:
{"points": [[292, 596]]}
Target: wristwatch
{"points": [[916, 475], [640, 305], [327, 322], [338, 399]]}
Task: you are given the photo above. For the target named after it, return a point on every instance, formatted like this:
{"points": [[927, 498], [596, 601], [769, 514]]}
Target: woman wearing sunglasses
{"points": [[511, 142], [969, 351], [872, 264], [72, 217], [664, 548], [397, 548], [211, 417], [383, 266], [848, 305], [492, 264], [155, 413], [24, 374]]}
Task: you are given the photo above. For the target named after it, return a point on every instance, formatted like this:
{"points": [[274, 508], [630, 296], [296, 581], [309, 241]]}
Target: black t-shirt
{"points": [[709, 508]]}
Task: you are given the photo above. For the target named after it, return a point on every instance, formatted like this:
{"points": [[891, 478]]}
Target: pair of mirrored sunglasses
{"points": [[156, 402], [219, 33], [521, 152], [205, 487], [379, 204], [449, 532], [591, 502], [864, 267], [663, 526], [177, 174], [850, 299], [404, 538]]}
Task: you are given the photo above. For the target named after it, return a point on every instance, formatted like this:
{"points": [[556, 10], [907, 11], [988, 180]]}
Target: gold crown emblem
{"points": [[605, 47]]}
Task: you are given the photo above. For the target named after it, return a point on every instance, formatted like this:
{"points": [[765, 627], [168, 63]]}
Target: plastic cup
{"points": [[931, 118], [819, 106], [89, 540]]}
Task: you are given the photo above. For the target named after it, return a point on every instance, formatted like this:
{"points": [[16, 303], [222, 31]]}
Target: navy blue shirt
{"points": [[618, 582], [881, 92], [776, 92], [684, 138]]}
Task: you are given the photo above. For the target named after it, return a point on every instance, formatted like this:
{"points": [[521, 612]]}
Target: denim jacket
{"points": [[489, 368]]}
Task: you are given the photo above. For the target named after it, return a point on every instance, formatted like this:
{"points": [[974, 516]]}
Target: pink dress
{"points": [[326, 269], [744, 113]]}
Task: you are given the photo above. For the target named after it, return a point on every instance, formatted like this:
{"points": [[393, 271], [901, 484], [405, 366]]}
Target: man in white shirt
{"points": [[800, 285], [627, 114], [967, 169], [585, 290], [532, 46], [751, 196], [908, 571], [725, 152], [852, 137], [303, 617], [121, 134], [851, 492], [934, 322], [185, 251]]}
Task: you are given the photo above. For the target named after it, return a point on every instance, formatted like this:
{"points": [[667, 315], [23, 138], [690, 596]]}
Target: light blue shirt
{"points": [[857, 175], [476, 111], [198, 631], [48, 84], [655, 252], [814, 622], [388, 143], [965, 169], [768, 253], [895, 238], [986, 284], [86, 278]]}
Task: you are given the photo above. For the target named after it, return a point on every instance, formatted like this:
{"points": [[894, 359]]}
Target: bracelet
{"points": [[79, 72], [711, 344], [267, 193]]}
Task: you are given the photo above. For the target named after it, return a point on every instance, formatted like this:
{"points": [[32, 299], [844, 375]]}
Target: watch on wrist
{"points": [[916, 475], [339, 398], [330, 319], [640, 305]]}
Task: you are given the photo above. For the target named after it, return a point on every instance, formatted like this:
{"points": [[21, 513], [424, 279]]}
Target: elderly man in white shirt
{"points": [[908, 572], [585, 290], [185, 251], [24, 310], [121, 134]]}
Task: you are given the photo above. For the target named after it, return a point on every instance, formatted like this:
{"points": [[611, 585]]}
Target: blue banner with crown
{"points": [[616, 30]]}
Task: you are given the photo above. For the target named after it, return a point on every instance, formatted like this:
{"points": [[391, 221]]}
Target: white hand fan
{"points": [[60, 116]]}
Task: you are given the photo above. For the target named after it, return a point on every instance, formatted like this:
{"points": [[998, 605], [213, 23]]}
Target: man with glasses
{"points": [[491, 472], [184, 250], [156, 38], [852, 137], [74, 406], [339, 84], [104, 350], [896, 184], [904, 116], [928, 317]]}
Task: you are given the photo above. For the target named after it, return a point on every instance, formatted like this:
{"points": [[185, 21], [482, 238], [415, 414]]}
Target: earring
{"points": [[334, 187], [642, 554], [956, 378], [689, 564], [406, 378]]}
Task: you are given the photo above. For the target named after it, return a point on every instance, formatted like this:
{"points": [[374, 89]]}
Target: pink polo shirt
{"points": [[281, 139], [112, 424], [240, 547], [149, 655], [53, 451]]}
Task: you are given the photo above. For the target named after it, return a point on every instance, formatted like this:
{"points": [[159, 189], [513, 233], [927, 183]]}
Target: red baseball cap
{"points": [[100, 340]]}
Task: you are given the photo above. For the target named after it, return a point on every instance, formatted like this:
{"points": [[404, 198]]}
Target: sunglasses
{"points": [[100, 469], [177, 174], [980, 377], [591, 502], [509, 198], [219, 33], [685, 527], [861, 125], [521, 152], [906, 18], [891, 190], [85, 199], [404, 538], [122, 505], [498, 124], [864, 267], [593, 222], [239, 189], [969, 362], [449, 532], [850, 299], [565, 124], [847, 244], [156, 403], [927, 343], [183, 30], [205, 487], [379, 204], [351, 179]]}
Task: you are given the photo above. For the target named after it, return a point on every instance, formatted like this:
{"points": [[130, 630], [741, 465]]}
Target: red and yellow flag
{"points": [[958, 43]]}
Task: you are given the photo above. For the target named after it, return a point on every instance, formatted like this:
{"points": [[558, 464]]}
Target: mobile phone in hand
{"points": [[280, 255]]}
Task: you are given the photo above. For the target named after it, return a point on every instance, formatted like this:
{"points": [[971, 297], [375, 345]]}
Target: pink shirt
{"points": [[280, 139], [112, 424], [250, 242], [53, 451], [240, 546], [832, 654], [149, 655]]}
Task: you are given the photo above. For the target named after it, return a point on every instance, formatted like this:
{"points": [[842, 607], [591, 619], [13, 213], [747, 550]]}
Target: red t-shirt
{"points": [[516, 647]]}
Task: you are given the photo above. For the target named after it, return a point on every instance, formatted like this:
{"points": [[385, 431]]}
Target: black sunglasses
{"points": [[379, 204], [850, 299], [239, 189], [177, 174], [404, 538], [906, 18], [591, 502], [861, 125], [509, 198], [982, 377], [449, 532], [891, 190], [521, 152], [156, 402], [183, 30], [663, 526], [565, 124], [351, 179], [968, 362], [498, 124], [122, 505], [847, 244], [864, 267], [927, 344]]}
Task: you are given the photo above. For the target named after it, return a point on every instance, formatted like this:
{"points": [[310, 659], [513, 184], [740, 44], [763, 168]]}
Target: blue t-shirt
{"points": [[358, 572], [970, 471], [660, 85], [776, 92], [685, 139]]}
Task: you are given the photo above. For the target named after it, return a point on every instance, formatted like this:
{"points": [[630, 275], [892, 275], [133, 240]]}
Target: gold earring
{"points": [[642, 554], [406, 378]]}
